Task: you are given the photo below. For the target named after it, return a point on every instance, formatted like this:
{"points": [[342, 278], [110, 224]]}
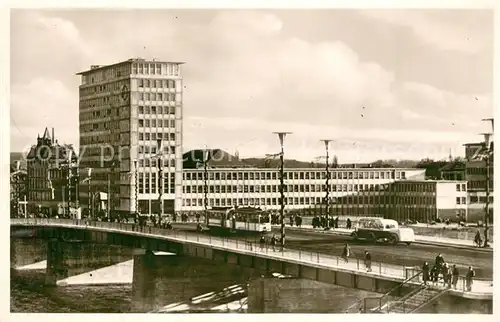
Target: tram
{"points": [[238, 220]]}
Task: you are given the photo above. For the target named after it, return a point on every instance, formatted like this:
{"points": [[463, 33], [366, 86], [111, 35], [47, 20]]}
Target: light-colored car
{"points": [[377, 229]]}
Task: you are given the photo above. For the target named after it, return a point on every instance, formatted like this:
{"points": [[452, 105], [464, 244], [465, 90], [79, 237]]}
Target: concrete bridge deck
{"points": [[481, 289]]}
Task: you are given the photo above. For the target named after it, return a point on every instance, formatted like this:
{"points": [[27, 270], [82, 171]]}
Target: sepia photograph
{"points": [[170, 160]]}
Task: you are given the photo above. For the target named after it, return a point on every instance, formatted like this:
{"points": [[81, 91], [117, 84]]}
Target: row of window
{"points": [[99, 138], [157, 97], [156, 123], [479, 171], [107, 73], [461, 200], [111, 100], [296, 175], [154, 163], [148, 183], [351, 201], [480, 199], [154, 136], [159, 110], [104, 88], [480, 184], [156, 83], [103, 114], [275, 188], [461, 187], [149, 149], [169, 69]]}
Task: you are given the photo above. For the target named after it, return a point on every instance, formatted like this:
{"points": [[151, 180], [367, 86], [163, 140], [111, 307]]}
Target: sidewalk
{"points": [[462, 243]]}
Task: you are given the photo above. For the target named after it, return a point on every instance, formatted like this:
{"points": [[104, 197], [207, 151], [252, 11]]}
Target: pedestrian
{"points": [[469, 278], [273, 242], [262, 242], [299, 221], [439, 261], [336, 224], [346, 252], [368, 261], [434, 274], [425, 272], [348, 224], [477, 239], [446, 276], [454, 274]]}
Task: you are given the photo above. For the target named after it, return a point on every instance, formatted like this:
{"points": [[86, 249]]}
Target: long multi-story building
{"points": [[131, 115]]}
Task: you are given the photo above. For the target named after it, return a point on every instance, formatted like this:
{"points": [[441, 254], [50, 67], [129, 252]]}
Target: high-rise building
{"points": [[131, 113]]}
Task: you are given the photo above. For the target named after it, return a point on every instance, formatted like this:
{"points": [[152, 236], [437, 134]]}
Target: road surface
{"points": [[413, 255]]}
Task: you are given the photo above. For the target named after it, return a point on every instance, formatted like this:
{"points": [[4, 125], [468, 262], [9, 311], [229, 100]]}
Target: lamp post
{"points": [[136, 186], [205, 184], [69, 177], [487, 140], [89, 193], [327, 184], [281, 136], [160, 174]]}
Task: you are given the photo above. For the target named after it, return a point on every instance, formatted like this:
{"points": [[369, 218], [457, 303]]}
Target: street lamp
{"points": [[281, 136], [160, 175], [487, 137], [89, 193], [327, 183], [205, 183], [136, 188]]}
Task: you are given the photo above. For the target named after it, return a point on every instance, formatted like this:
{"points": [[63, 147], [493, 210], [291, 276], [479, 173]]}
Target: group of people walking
{"points": [[441, 271], [448, 274]]}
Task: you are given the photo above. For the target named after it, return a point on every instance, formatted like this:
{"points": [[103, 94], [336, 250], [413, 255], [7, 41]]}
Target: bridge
{"points": [[383, 278]]}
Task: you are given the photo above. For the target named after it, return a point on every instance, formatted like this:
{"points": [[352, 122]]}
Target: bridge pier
{"points": [[298, 295], [26, 251], [165, 279], [69, 258]]}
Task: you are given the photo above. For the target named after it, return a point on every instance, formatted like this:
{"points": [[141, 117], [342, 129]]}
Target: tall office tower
{"points": [[131, 113]]}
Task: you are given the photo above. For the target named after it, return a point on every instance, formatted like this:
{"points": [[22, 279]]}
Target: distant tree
{"points": [[335, 162], [432, 168]]}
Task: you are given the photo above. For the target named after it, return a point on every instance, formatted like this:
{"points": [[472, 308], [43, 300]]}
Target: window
{"points": [[458, 200], [464, 187], [458, 187]]}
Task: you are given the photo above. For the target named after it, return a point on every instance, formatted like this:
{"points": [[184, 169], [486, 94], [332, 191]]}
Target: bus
{"points": [[241, 219]]}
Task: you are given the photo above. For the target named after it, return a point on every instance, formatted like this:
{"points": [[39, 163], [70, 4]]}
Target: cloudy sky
{"points": [[380, 83]]}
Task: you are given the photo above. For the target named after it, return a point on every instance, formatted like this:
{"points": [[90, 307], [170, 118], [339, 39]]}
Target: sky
{"points": [[382, 84]]}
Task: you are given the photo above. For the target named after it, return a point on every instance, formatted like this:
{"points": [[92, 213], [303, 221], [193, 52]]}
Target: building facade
{"points": [[131, 116], [18, 183], [51, 177], [475, 174], [401, 194]]}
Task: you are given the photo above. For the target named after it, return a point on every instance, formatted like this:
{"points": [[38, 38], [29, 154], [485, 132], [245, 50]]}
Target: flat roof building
{"points": [[130, 117]]}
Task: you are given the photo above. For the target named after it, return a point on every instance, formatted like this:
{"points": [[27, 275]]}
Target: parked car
{"points": [[377, 229]]}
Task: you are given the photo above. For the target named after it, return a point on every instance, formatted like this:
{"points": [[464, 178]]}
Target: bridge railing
{"points": [[301, 256]]}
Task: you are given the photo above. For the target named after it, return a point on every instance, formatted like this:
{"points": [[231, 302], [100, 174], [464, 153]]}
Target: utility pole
{"points": [[281, 136], [327, 185]]}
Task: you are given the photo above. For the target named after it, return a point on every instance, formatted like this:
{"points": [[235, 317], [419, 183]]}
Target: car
{"points": [[377, 229]]}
